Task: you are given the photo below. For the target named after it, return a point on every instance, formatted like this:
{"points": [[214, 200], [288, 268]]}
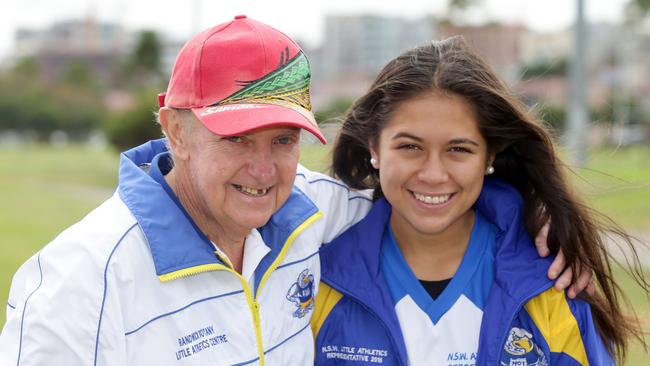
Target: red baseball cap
{"points": [[242, 75]]}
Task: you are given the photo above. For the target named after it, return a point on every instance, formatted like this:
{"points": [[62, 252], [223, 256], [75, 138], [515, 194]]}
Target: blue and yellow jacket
{"points": [[525, 321]]}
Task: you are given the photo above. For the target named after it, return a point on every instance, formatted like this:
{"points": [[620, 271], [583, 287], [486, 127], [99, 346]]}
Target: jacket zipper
{"points": [[251, 298], [253, 306]]}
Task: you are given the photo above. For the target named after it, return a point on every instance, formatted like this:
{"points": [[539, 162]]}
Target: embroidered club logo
{"points": [[520, 350], [287, 86], [301, 294]]}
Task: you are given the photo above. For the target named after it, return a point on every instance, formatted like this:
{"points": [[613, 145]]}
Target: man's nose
{"points": [[262, 165]]}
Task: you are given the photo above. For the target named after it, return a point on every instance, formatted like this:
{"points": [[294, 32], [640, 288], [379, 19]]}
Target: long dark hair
{"points": [[525, 158]]}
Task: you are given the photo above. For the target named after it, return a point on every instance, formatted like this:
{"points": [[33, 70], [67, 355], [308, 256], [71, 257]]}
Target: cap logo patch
{"points": [[287, 86]]}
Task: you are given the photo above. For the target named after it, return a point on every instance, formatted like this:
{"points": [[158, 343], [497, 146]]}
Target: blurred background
{"points": [[79, 79]]}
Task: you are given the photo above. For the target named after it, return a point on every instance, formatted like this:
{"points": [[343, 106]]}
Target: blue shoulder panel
{"points": [[173, 239]]}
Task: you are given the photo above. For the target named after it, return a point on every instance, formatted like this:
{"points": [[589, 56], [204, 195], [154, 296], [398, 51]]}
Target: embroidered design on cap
{"points": [[287, 86]]}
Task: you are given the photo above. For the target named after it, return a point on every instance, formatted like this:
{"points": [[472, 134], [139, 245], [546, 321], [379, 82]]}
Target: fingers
{"points": [[541, 241], [563, 277], [583, 282], [556, 268], [564, 280]]}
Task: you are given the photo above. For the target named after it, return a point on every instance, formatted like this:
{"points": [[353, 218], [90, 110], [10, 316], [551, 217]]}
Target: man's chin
{"points": [[255, 221]]}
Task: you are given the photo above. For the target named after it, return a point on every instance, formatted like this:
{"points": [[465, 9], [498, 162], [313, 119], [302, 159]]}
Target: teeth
{"points": [[432, 200], [251, 191]]}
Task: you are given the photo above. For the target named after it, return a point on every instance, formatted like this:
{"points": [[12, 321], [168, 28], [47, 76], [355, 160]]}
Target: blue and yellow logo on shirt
{"points": [[301, 294], [520, 350]]}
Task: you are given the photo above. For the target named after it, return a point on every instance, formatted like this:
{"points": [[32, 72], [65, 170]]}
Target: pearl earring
{"points": [[489, 170], [373, 162]]}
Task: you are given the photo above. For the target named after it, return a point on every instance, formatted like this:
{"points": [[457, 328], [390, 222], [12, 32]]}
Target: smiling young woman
{"points": [[432, 177], [443, 270]]}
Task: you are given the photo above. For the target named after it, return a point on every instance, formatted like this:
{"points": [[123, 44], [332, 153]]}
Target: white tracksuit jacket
{"points": [[135, 283]]}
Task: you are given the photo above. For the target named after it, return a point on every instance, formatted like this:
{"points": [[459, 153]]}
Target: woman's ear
{"points": [[489, 164], [173, 127], [374, 157], [491, 158]]}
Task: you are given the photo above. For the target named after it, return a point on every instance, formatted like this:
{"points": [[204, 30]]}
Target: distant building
{"points": [[73, 37], [355, 48], [545, 47], [100, 46], [103, 47], [629, 72], [616, 67], [499, 44]]}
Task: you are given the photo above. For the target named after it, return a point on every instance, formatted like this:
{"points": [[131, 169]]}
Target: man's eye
{"points": [[285, 140], [236, 139]]}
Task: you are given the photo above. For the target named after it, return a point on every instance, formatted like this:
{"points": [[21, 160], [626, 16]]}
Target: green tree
{"points": [[135, 125], [456, 8], [462, 4], [553, 116], [27, 105], [333, 110], [636, 11], [79, 74], [143, 68], [545, 69], [143, 77], [611, 112], [642, 5], [26, 68]]}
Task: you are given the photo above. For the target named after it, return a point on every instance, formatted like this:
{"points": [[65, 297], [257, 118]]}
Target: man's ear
{"points": [[176, 131]]}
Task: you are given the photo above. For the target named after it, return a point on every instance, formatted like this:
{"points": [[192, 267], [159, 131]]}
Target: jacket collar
{"points": [[498, 202], [177, 246], [515, 253], [520, 273], [351, 263]]}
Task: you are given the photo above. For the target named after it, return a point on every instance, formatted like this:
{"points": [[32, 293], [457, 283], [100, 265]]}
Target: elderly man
{"points": [[192, 260], [207, 254]]}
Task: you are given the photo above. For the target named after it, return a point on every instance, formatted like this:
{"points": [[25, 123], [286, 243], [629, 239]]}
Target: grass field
{"points": [[617, 182], [43, 190]]}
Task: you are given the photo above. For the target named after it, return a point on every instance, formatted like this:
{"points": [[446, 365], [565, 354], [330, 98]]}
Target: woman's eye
{"points": [[459, 149], [409, 147]]}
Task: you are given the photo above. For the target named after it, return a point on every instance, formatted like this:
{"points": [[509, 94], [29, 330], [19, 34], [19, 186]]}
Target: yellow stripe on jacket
{"points": [[551, 313], [326, 299]]}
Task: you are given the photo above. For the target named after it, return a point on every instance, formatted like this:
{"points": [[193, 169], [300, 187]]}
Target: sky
{"points": [[182, 18]]}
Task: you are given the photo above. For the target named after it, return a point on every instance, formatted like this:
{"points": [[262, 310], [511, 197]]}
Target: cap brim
{"points": [[235, 119]]}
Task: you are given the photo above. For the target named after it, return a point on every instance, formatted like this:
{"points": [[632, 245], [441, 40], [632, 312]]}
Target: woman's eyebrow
{"points": [[407, 135], [464, 141]]}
